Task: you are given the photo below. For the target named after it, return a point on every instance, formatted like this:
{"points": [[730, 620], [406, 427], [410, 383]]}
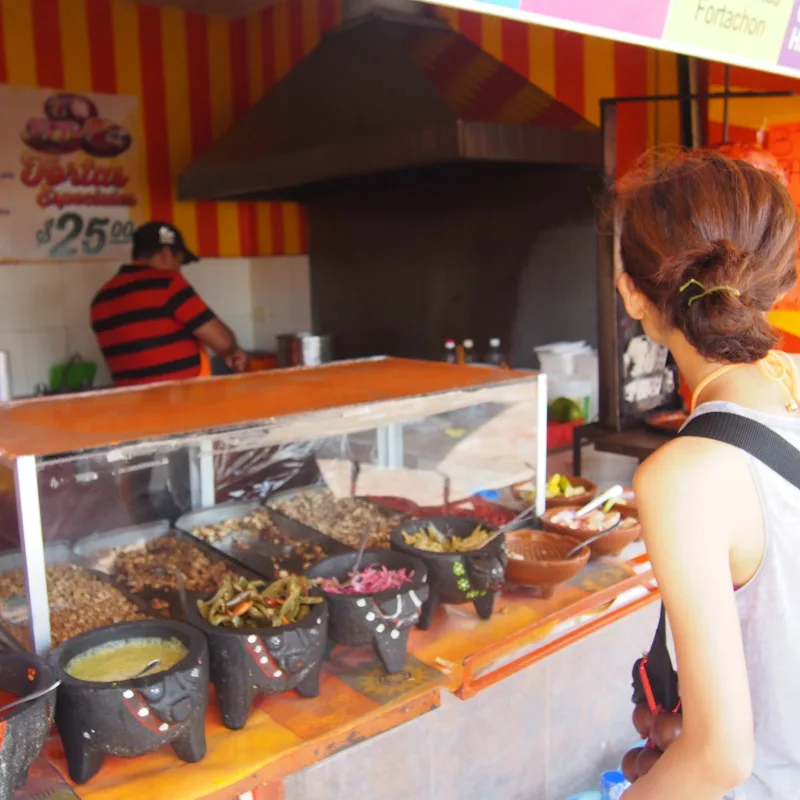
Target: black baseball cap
{"points": [[152, 236]]}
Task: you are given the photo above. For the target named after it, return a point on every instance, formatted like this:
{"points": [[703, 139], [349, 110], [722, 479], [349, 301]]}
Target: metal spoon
{"points": [[152, 665], [181, 592], [530, 511], [601, 499], [355, 471], [591, 539], [362, 545], [33, 696]]}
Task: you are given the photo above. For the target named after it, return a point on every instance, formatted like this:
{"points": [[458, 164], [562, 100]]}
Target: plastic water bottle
{"points": [[495, 355], [469, 351], [450, 352], [613, 785]]}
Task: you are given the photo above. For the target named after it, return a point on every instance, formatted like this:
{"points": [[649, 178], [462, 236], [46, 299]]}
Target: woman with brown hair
{"points": [[707, 247]]}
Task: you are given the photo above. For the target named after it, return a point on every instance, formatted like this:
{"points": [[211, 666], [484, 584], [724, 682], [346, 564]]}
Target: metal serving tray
{"points": [[89, 552], [261, 555], [399, 516], [54, 553]]}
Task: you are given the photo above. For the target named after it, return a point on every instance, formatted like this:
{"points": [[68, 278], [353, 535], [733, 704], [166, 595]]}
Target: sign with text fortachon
{"points": [[763, 34], [69, 175]]}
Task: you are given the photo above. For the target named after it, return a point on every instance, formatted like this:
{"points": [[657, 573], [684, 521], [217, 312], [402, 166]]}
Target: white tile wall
{"points": [[281, 298], [44, 308]]}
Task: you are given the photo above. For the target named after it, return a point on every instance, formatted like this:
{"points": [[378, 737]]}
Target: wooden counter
{"points": [[286, 733], [54, 425]]}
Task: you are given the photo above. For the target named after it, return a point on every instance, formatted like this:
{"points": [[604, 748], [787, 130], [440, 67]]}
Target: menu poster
{"points": [[69, 175], [760, 34], [748, 29]]}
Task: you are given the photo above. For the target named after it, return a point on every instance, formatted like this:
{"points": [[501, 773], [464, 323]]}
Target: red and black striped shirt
{"points": [[144, 320]]}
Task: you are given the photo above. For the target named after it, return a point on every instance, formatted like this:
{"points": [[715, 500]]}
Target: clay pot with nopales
{"points": [[247, 663], [130, 718], [382, 620], [474, 576], [25, 728]]}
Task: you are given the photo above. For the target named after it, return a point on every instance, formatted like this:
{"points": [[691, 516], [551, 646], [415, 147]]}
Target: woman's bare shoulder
{"points": [[691, 470]]}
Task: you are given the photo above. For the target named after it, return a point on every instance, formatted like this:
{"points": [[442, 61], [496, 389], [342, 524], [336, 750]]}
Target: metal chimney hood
{"points": [[387, 91]]}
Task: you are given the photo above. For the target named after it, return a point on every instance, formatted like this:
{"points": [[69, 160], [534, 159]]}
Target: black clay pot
{"points": [[475, 576], [249, 662], [24, 729], [133, 717], [382, 620]]}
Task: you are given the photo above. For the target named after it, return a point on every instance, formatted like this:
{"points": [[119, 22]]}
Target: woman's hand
{"points": [[695, 498]]}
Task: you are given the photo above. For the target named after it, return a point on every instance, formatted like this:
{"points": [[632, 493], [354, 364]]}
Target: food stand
{"points": [[413, 429]]}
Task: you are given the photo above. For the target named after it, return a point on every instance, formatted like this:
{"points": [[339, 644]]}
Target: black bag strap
{"points": [[770, 449], [758, 440]]}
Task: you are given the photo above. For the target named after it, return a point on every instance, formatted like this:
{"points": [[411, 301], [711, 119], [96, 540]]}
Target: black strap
{"points": [[754, 438], [770, 449]]}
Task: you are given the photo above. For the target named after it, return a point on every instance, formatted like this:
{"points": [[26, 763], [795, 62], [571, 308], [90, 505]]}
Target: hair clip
{"points": [[723, 288]]}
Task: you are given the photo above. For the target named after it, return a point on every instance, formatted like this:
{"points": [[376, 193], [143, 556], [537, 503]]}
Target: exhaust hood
{"points": [[387, 91]]}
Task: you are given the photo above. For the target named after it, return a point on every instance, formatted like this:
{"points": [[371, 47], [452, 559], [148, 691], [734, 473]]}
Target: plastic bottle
{"points": [[469, 351], [450, 352], [495, 355]]}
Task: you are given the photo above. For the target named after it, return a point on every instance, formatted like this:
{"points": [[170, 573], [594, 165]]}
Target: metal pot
{"points": [[304, 350]]}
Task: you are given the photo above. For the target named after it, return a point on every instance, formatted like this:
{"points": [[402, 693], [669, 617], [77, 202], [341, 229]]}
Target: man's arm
{"points": [[188, 309], [217, 336]]}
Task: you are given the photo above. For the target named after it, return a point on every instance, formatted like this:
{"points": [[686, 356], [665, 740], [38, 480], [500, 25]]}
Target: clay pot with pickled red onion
{"points": [[383, 618], [25, 728], [131, 716]]}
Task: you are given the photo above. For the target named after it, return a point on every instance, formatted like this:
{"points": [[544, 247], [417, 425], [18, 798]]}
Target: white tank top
{"points": [[769, 613]]}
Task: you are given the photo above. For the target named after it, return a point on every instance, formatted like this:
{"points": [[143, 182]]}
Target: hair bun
{"points": [[723, 230], [718, 256]]}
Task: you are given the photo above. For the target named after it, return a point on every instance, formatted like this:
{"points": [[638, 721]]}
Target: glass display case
{"points": [[116, 504]]}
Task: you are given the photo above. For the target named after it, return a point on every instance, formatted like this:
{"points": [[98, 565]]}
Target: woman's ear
{"points": [[634, 300]]}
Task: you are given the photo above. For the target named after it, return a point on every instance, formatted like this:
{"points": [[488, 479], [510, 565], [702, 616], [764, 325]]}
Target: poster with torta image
{"points": [[69, 175], [752, 30]]}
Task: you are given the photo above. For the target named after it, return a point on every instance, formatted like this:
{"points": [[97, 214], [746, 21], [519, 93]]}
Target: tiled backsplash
{"points": [[44, 308]]}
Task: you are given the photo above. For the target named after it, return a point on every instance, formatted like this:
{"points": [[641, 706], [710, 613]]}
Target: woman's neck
{"points": [[691, 365]]}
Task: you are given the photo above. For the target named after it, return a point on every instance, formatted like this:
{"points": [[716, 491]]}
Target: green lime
{"points": [[562, 409]]}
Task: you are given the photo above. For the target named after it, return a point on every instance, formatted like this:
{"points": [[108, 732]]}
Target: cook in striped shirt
{"points": [[150, 323]]}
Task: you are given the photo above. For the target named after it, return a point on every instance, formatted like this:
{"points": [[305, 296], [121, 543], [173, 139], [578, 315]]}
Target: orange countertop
{"points": [[358, 700], [54, 425]]}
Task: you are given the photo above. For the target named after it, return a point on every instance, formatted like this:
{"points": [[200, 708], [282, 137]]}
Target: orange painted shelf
{"points": [[55, 425], [479, 653], [286, 733]]}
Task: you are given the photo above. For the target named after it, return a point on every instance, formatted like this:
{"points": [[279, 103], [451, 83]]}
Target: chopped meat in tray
{"points": [[79, 601], [343, 519]]}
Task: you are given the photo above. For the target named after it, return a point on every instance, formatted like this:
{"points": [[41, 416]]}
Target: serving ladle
{"points": [[591, 539], [609, 494], [144, 670], [28, 697]]}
